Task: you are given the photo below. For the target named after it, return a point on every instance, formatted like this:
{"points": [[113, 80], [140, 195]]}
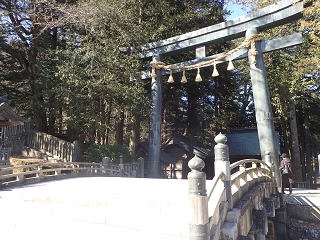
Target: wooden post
{"points": [[141, 159], [155, 123], [134, 170], [264, 117], [222, 163], [199, 220], [76, 151]]}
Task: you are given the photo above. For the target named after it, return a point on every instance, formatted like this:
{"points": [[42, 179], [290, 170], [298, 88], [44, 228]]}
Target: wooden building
{"points": [[8, 118], [174, 156], [166, 160], [178, 148], [243, 143]]}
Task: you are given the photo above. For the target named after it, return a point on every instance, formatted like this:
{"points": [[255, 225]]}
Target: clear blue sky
{"points": [[236, 11]]}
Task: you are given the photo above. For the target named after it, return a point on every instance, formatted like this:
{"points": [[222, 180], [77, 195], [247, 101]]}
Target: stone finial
{"points": [[105, 160], [220, 138], [196, 164]]}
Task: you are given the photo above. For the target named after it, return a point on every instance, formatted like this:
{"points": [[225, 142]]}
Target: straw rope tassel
{"points": [[198, 77], [230, 65], [153, 75], [215, 72], [253, 52], [170, 79], [184, 79]]}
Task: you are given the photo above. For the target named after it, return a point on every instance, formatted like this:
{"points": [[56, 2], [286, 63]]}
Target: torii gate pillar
{"points": [[264, 118], [155, 124]]}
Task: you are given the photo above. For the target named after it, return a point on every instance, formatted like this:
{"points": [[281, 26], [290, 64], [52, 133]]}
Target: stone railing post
{"points": [[141, 159], [222, 163], [270, 164], [121, 166], [105, 160], [76, 151], [199, 220], [134, 170]]}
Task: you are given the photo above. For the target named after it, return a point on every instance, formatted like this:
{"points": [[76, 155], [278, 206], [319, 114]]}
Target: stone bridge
{"points": [[236, 204], [240, 199]]}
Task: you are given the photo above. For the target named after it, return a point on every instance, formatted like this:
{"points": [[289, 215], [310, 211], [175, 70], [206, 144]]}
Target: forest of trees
{"points": [[62, 68]]}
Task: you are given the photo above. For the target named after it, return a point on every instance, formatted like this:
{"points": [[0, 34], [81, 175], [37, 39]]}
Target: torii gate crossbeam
{"points": [[262, 19], [274, 15]]}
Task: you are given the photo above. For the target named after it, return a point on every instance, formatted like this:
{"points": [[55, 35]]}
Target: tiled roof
{"points": [[164, 157], [198, 147], [245, 142], [8, 117]]}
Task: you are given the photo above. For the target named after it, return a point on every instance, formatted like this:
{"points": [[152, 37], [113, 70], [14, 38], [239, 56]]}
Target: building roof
{"points": [[198, 148], [244, 142], [8, 117], [164, 157]]}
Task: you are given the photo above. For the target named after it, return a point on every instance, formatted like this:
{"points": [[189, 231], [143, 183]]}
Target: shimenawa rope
{"points": [[248, 42]]}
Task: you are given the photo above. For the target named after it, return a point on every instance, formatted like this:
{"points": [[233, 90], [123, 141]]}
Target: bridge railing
{"points": [[15, 137], [48, 171], [217, 195], [208, 212], [246, 173], [53, 147]]}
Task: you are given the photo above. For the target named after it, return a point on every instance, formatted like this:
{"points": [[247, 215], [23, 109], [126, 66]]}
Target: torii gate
{"points": [[274, 15]]}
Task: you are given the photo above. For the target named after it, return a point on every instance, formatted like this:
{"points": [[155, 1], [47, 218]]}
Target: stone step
{"points": [[30, 152], [33, 153], [302, 212]]}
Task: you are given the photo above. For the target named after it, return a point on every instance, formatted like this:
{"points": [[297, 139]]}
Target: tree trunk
{"points": [[316, 165], [52, 114], [285, 134], [119, 129], [135, 135], [314, 168], [30, 65], [108, 118], [295, 142], [192, 100], [308, 148], [303, 160]]}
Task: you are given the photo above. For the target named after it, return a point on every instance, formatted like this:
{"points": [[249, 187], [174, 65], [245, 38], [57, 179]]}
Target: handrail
{"points": [[215, 181], [51, 145], [209, 213], [246, 177], [235, 177], [37, 172], [226, 195], [241, 162], [37, 165]]}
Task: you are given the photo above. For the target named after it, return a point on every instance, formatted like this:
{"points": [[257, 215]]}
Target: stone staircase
{"points": [[302, 211], [36, 154]]}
